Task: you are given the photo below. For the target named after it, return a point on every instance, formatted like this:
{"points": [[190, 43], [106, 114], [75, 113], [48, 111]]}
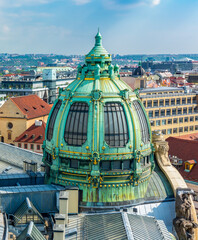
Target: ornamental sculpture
{"points": [[184, 223]]}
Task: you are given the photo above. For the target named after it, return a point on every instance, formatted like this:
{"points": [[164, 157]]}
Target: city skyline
{"points": [[128, 27]]}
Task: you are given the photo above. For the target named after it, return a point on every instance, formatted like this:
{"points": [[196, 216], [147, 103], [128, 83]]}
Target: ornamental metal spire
{"points": [[98, 39]]}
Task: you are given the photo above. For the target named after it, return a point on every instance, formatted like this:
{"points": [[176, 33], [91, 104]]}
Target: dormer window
{"points": [[189, 165]]}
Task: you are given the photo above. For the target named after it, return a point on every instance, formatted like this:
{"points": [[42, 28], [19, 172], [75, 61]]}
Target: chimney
{"points": [[25, 166], [38, 123], [63, 204], [59, 232], [33, 166], [60, 219], [42, 167]]}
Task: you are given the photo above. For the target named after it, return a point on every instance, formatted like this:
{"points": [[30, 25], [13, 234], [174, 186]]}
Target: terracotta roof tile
{"points": [[32, 106], [34, 134], [186, 150]]}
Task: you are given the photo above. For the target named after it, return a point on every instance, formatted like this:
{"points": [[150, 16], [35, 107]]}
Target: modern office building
{"points": [[171, 110]]}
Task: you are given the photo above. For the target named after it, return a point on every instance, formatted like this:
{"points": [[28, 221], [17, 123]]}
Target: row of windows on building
{"points": [[31, 146], [104, 165], [172, 112], [180, 130], [116, 129], [170, 102], [173, 121]]}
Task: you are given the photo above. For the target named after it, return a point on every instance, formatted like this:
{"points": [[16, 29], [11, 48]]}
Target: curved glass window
{"points": [[52, 120], [76, 126], [143, 122], [116, 130]]}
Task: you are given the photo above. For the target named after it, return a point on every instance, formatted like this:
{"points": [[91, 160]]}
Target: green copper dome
{"points": [[98, 136]]}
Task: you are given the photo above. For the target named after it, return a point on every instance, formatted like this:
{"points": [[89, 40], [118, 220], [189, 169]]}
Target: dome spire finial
{"points": [[98, 38]]}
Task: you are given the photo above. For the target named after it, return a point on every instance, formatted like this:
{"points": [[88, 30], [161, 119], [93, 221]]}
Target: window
{"points": [[190, 110], [163, 113], [32, 146], [158, 123], [168, 112], [144, 103], [185, 129], [156, 113], [170, 121], [155, 103], [167, 102], [184, 110], [174, 111], [83, 164], [194, 100], [178, 101], [150, 114], [179, 111], [174, 130], [152, 123], [163, 122], [106, 165], [116, 130], [149, 103], [74, 164], [161, 103], [191, 119], [10, 125], [76, 125], [52, 120], [19, 144], [196, 127], [9, 135], [25, 145], [143, 121], [164, 131], [185, 119], [189, 100], [116, 165], [183, 100], [196, 118], [169, 131], [181, 120], [191, 128], [38, 147], [172, 101], [181, 129], [126, 164]]}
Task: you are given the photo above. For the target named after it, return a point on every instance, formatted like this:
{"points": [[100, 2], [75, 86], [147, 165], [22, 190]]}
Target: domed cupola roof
{"points": [[139, 71], [98, 135]]}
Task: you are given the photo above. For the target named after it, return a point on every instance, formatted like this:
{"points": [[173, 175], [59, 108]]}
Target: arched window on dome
{"points": [[76, 125], [52, 120], [116, 130], [143, 122]]}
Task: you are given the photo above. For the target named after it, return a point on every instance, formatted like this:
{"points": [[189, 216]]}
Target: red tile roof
{"points": [[34, 134], [183, 148], [32, 106], [192, 175]]}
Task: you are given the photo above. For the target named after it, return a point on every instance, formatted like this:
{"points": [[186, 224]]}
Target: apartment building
{"points": [[172, 110]]}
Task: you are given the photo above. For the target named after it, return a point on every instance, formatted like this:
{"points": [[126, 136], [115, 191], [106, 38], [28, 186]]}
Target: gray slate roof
{"points": [[118, 226], [31, 232]]}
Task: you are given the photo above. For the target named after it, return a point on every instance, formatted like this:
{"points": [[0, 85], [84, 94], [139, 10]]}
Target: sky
{"points": [[127, 26]]}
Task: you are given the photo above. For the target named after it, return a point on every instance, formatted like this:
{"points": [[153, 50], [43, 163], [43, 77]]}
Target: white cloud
{"points": [[81, 2], [155, 2], [5, 29]]}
